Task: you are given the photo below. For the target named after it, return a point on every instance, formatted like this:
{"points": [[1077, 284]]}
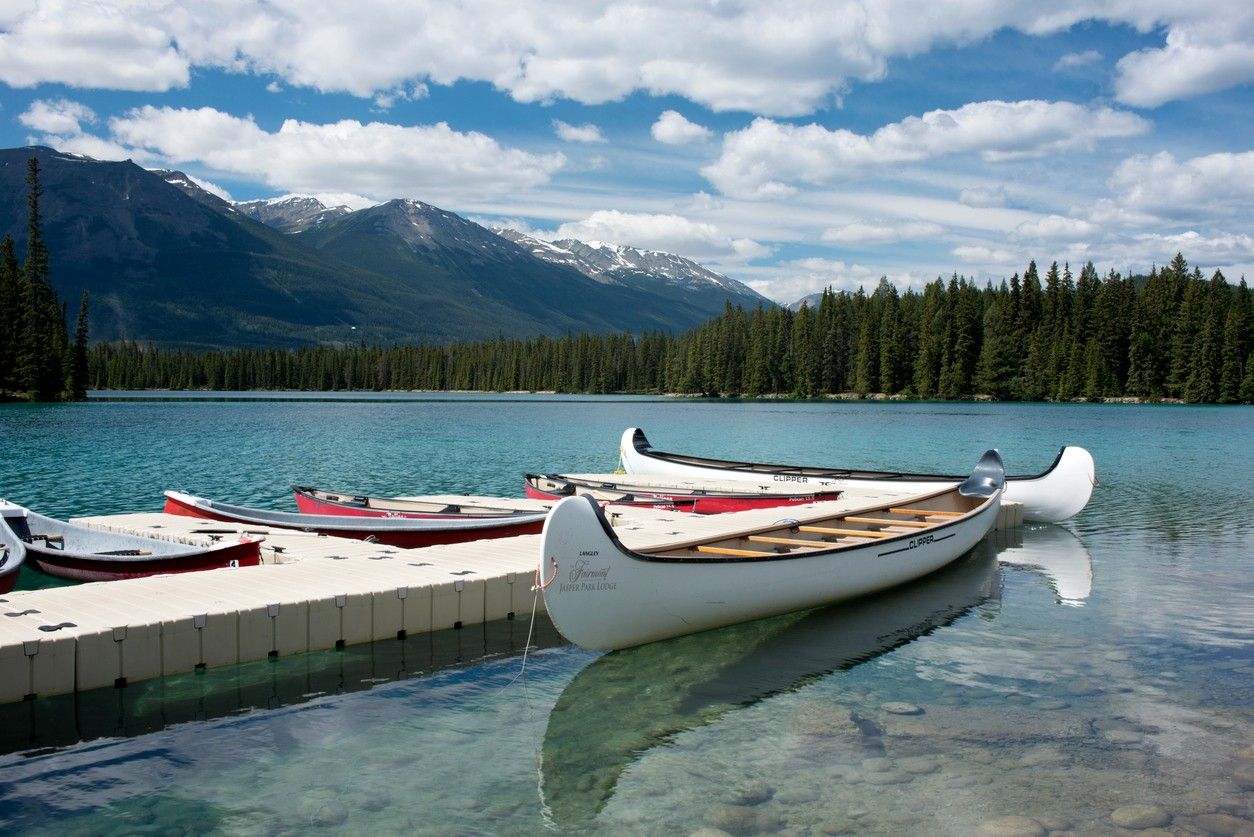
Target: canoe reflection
{"points": [[627, 702], [1057, 554]]}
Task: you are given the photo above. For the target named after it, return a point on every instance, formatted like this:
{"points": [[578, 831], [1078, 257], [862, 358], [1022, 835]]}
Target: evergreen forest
{"points": [[37, 360], [1172, 335]]}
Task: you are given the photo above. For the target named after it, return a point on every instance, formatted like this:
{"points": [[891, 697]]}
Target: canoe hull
{"points": [[686, 505], [602, 596], [399, 532], [1061, 492], [708, 504], [101, 568], [316, 501], [12, 555]]}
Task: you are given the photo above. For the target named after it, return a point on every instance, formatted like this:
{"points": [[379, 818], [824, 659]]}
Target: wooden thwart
{"points": [[862, 533], [927, 512], [788, 541], [886, 522], [738, 553]]}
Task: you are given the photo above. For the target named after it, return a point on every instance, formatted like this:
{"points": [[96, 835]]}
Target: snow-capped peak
{"points": [[620, 264]]}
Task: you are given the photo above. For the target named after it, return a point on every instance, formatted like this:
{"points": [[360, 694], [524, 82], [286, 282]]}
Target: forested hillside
{"points": [[1174, 334]]}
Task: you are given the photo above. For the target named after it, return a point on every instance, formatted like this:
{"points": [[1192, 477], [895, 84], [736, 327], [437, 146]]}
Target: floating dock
{"points": [[313, 592]]}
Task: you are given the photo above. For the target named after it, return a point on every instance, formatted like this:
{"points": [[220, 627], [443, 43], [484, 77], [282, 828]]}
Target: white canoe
{"points": [[1057, 493], [601, 595]]}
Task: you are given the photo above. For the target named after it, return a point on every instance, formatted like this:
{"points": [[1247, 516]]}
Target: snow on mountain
{"points": [[620, 264], [292, 213], [191, 187]]}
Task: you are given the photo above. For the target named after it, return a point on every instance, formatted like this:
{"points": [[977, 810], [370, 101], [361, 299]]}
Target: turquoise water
{"points": [[1064, 674]]}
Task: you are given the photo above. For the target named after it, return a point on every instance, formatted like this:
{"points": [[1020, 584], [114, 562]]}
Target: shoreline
{"points": [[836, 396]]}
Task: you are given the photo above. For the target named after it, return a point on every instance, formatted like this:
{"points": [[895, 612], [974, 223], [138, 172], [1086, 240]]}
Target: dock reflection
{"points": [[46, 724], [627, 702]]}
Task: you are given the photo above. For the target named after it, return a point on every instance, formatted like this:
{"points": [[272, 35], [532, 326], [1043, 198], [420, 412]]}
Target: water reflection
{"points": [[1056, 553], [40, 726], [627, 702]]}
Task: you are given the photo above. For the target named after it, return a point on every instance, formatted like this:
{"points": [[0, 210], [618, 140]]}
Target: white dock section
{"points": [[313, 592]]}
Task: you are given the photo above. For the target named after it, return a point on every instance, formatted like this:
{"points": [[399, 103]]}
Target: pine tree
{"points": [[78, 370], [12, 321]]}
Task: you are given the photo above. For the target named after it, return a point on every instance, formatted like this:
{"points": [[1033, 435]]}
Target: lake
{"points": [[1075, 678]]}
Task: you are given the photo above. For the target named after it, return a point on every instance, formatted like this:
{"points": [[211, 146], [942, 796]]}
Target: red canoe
{"points": [[317, 501], [85, 554], [684, 497], [405, 532]]}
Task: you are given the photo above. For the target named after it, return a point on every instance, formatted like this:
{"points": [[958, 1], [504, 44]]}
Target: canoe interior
{"points": [[790, 539], [403, 505], [44, 535], [555, 488]]}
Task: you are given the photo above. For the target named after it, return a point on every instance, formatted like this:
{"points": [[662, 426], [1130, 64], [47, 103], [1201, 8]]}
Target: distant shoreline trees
{"points": [[37, 361], [1173, 335]]}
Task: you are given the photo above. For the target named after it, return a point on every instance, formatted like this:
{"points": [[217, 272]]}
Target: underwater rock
{"points": [[754, 794], [739, 820], [1049, 704], [1050, 823], [1140, 815], [818, 718], [1122, 736], [892, 777], [901, 708], [1244, 775], [1012, 826], [1224, 824], [919, 764]]}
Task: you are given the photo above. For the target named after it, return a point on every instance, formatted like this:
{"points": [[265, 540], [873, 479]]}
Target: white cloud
{"points": [[578, 133], [662, 231], [274, 87], [210, 187], [1074, 60], [84, 44], [1057, 228], [1226, 248], [1164, 186], [882, 232], [798, 278], [1191, 63], [1107, 213], [983, 196], [755, 55], [983, 256], [672, 128], [766, 158], [375, 159], [385, 99], [352, 201], [57, 116]]}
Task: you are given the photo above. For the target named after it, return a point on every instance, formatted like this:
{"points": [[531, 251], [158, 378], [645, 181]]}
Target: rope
{"points": [[538, 586], [535, 604], [526, 650]]}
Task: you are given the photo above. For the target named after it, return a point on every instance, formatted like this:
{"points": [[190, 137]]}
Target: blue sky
{"points": [[792, 145]]}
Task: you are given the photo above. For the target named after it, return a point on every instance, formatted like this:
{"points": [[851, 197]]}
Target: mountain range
{"points": [[167, 261]]}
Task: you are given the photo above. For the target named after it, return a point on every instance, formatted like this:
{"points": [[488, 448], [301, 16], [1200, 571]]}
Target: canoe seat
{"points": [[790, 541], [736, 553], [49, 540], [861, 533], [927, 512], [883, 521]]}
